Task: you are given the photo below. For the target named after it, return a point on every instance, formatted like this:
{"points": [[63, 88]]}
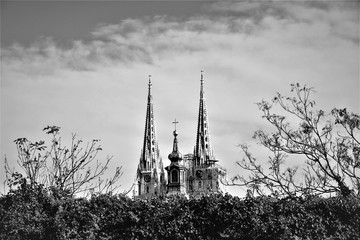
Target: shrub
{"points": [[37, 213]]}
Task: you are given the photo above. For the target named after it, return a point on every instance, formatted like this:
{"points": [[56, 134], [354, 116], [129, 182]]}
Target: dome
{"points": [[175, 156]]}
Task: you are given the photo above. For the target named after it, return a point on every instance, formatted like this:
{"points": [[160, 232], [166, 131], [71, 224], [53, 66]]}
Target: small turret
{"points": [[176, 171]]}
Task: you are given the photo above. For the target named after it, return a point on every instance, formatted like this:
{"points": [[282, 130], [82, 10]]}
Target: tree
{"points": [[327, 144], [68, 170]]}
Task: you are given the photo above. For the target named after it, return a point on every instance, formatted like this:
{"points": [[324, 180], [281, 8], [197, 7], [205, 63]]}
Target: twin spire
{"points": [[203, 153], [198, 174]]}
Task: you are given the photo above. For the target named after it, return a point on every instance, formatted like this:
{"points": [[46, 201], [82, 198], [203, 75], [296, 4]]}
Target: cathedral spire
{"points": [[203, 150], [150, 174], [150, 152]]}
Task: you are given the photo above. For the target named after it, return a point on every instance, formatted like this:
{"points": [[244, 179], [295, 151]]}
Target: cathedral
{"points": [[192, 174]]}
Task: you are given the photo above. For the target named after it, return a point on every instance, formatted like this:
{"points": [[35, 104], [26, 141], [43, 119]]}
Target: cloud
{"points": [[150, 40]]}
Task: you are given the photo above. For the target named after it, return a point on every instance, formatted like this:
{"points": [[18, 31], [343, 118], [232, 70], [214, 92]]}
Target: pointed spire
{"points": [[203, 149], [150, 153]]}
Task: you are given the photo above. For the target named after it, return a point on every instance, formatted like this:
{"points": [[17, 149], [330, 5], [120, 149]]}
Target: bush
{"points": [[38, 213]]}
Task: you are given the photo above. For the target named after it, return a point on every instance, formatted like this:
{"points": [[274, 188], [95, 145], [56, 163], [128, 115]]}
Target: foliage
{"points": [[69, 170], [34, 213], [327, 144], [28, 213]]}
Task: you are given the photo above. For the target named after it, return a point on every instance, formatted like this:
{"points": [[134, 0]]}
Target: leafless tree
{"points": [[327, 145], [70, 170]]}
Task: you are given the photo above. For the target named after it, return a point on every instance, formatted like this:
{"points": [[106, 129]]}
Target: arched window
{"points": [[174, 176]]}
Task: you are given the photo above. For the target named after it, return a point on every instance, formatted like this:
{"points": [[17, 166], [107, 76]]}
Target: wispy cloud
{"points": [[150, 39]]}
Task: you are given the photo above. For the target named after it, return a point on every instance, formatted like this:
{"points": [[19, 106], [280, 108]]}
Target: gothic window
{"points": [[174, 176], [199, 184], [191, 185], [147, 189]]}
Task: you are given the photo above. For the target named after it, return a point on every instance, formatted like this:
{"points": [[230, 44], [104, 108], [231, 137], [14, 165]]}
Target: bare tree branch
{"points": [[71, 170], [329, 143]]}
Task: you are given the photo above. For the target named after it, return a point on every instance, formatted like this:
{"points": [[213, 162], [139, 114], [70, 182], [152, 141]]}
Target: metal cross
{"points": [[175, 122]]}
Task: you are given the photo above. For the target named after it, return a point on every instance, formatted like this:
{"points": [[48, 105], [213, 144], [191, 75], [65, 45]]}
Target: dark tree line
{"points": [[34, 213]]}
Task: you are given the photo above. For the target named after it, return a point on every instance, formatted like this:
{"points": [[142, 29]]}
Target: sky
{"points": [[84, 66]]}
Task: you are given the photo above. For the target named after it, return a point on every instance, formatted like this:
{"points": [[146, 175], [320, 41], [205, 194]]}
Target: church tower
{"points": [[193, 174], [176, 170], [150, 174], [206, 175], [203, 155]]}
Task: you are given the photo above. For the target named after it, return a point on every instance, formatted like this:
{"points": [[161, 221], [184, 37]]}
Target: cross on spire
{"points": [[175, 122]]}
